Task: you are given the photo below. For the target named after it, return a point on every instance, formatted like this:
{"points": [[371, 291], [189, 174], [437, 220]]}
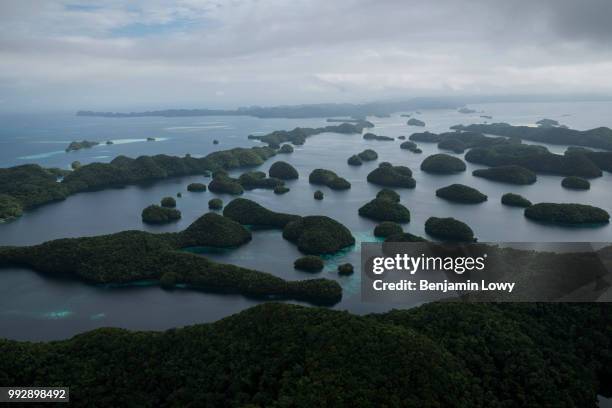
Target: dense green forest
{"points": [[600, 137], [132, 256], [280, 355]]}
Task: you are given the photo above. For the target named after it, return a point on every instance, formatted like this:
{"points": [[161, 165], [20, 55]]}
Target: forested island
{"points": [[535, 158], [388, 175], [527, 355], [322, 110], [298, 135], [573, 214], [600, 137], [133, 256]]}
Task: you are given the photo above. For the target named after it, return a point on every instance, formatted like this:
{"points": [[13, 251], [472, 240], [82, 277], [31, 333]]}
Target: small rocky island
{"points": [[449, 229], [286, 149], [215, 204], [155, 214], [387, 175], [426, 137], [224, 184], [573, 214], [387, 228], [309, 263], [511, 174], [460, 193], [317, 234], [83, 144], [385, 209], [372, 136], [168, 202], [575, 183], [415, 122], [410, 146], [257, 179], [515, 200], [283, 171], [328, 178], [196, 187], [442, 163]]}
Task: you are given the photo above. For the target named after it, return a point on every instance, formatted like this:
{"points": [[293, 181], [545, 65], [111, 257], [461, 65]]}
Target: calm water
{"points": [[33, 306]]}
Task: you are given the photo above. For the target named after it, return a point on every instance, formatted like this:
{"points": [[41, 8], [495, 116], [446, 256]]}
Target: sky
{"points": [[118, 55]]}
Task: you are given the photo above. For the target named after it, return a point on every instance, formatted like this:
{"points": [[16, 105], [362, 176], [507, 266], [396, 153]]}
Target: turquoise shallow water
{"points": [[36, 307]]}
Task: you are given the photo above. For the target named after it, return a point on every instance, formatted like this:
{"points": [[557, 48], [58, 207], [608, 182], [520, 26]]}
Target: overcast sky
{"points": [[116, 55]]}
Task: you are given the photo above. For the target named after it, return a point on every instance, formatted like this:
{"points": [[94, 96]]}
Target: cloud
{"points": [[111, 54]]}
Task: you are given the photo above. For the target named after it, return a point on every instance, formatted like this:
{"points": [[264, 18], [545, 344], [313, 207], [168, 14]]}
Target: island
{"points": [[511, 174], [449, 229], [309, 263], [318, 110], [83, 144], [318, 195], [318, 234], [215, 204], [387, 228], [155, 214], [150, 139], [133, 256], [426, 137], [384, 209], [465, 110], [345, 269], [196, 187], [411, 146], [515, 200], [547, 123], [257, 179], [299, 135], [442, 163], [415, 122], [368, 155], [221, 183], [600, 138], [286, 148], [328, 178], [575, 183], [387, 175], [248, 212], [283, 171], [354, 160], [460, 193], [535, 158], [372, 136], [281, 190], [572, 214], [168, 202]]}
